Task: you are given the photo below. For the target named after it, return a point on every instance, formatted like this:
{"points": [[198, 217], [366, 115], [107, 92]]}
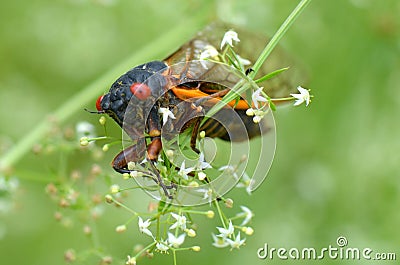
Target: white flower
{"points": [[176, 241], [208, 52], [180, 221], [226, 232], [166, 114], [229, 170], [237, 242], [303, 96], [85, 128], [219, 242], [162, 246], [114, 188], [256, 97], [183, 172], [143, 227], [247, 183], [206, 194], [249, 188], [243, 61], [202, 164], [131, 260], [229, 37], [247, 213]]}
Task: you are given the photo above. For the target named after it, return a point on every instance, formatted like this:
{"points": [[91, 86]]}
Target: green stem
{"points": [[144, 249], [158, 47], [174, 254], [125, 207], [220, 213], [282, 99], [277, 36]]}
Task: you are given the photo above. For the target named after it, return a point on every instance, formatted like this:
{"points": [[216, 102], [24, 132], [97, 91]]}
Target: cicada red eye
{"points": [[141, 91], [98, 103]]}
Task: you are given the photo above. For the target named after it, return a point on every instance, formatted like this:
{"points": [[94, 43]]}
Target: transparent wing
{"points": [[250, 47]]}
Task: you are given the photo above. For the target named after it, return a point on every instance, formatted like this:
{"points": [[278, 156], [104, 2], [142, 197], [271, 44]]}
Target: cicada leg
{"points": [[195, 133], [129, 154], [155, 147]]}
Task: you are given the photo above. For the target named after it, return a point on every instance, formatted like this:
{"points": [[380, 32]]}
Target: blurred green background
{"points": [[336, 170]]}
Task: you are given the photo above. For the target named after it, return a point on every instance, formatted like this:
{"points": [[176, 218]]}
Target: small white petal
{"points": [[208, 52], [84, 128], [229, 37], [256, 97], [130, 260], [243, 61], [226, 232], [176, 241], [162, 246], [304, 96], [180, 221], [183, 172], [237, 242], [166, 114], [248, 215], [143, 226], [202, 164], [219, 242]]}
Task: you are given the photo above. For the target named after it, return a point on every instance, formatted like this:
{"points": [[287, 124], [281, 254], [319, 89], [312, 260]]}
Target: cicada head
{"points": [[136, 89]]}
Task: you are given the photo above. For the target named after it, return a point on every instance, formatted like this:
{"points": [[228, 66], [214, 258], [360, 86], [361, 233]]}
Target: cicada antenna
{"points": [[95, 111]]}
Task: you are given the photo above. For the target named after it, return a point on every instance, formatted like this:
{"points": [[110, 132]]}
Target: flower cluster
{"points": [[261, 103], [170, 226]]}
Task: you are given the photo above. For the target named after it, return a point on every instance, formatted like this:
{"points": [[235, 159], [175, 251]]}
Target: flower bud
{"points": [[210, 214], [120, 229], [190, 232], [69, 255], [250, 112], [87, 230], [257, 119], [109, 198], [114, 188], [249, 231], [193, 184], [196, 248], [201, 175], [169, 153], [102, 120], [105, 147], [131, 165], [229, 203], [84, 141]]}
